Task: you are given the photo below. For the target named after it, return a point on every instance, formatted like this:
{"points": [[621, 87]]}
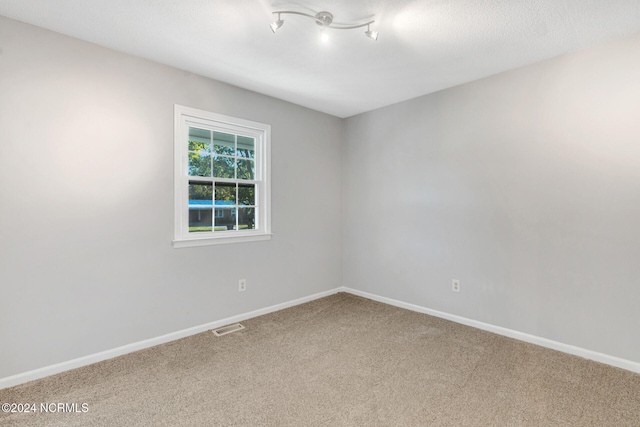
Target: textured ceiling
{"points": [[424, 45]]}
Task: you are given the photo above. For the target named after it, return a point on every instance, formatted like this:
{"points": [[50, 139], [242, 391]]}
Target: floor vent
{"points": [[227, 329]]}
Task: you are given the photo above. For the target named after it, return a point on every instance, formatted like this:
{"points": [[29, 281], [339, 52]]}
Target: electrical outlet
{"points": [[242, 285], [455, 285]]}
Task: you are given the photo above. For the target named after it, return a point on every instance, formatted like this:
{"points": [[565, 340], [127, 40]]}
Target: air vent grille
{"points": [[227, 329]]}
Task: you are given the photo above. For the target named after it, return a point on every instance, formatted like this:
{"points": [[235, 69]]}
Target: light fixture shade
{"points": [[371, 34], [276, 24]]}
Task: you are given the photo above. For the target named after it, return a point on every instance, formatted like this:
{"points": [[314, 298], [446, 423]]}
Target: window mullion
{"points": [[200, 178]]}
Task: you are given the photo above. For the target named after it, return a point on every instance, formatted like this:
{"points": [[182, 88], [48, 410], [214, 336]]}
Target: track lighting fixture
{"points": [[325, 20]]}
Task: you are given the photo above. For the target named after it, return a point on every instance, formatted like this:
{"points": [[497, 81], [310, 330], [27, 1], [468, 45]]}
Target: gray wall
{"points": [[525, 186], [86, 203]]}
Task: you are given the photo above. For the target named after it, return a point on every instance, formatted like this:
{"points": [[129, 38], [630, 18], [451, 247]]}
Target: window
{"points": [[221, 175]]}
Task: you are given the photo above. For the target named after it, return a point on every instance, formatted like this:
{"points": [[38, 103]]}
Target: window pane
{"points": [[223, 167], [246, 147], [225, 194], [199, 152], [200, 207], [199, 140], [247, 218], [199, 165], [246, 194], [224, 143], [200, 192], [225, 218], [246, 169]]}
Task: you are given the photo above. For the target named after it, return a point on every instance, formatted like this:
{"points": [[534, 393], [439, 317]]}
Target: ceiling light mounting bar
{"points": [[325, 20]]}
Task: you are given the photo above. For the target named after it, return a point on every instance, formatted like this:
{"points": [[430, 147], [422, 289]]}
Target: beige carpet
{"points": [[339, 361]]}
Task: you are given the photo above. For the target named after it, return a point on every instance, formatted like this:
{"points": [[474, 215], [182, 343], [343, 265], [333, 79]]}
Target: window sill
{"points": [[207, 240]]}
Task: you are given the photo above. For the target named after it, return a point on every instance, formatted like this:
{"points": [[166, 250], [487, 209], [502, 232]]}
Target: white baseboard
{"points": [[141, 345], [130, 348], [543, 342]]}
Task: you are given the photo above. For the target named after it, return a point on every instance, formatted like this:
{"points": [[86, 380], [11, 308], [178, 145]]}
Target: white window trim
{"points": [[262, 133]]}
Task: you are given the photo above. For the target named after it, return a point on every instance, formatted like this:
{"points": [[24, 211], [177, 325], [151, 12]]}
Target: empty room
{"points": [[363, 213]]}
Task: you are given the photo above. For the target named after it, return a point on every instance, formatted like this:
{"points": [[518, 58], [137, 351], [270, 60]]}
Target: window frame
{"points": [[184, 117]]}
